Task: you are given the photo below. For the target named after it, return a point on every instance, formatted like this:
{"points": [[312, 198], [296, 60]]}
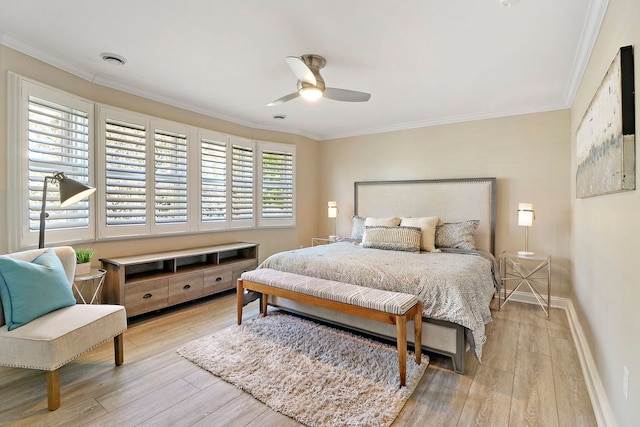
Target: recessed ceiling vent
{"points": [[113, 58]]}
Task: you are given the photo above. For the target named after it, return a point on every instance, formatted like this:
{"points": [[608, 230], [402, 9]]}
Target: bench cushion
{"points": [[376, 299], [52, 340]]}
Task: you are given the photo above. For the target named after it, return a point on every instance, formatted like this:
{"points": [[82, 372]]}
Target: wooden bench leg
{"points": [[53, 389], [401, 331], [118, 347], [239, 299], [265, 300], [417, 327]]}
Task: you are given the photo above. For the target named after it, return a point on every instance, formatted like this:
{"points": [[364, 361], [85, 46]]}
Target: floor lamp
{"points": [[71, 191]]}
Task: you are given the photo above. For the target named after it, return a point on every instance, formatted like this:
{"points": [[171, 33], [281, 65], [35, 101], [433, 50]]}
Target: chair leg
{"points": [[53, 389], [119, 349]]}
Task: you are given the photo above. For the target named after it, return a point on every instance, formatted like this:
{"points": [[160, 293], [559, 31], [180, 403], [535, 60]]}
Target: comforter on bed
{"points": [[456, 287]]}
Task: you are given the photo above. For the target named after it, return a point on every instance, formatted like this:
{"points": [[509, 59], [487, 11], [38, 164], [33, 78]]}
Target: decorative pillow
{"points": [[428, 227], [357, 228], [392, 238], [457, 235], [389, 222], [32, 289]]}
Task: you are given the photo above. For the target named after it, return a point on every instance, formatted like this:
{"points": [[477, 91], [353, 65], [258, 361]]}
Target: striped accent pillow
{"points": [[393, 238]]}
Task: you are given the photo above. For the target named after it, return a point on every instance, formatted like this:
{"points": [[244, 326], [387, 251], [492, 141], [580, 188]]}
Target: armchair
{"points": [[50, 341]]}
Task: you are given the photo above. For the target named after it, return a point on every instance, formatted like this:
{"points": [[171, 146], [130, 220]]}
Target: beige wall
{"points": [[528, 154], [606, 238], [271, 241]]}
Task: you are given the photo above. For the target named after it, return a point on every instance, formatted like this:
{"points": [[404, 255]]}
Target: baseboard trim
{"points": [[599, 399]]}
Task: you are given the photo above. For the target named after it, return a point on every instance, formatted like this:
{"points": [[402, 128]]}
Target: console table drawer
{"points": [[217, 280], [241, 267], [146, 296], [185, 287]]}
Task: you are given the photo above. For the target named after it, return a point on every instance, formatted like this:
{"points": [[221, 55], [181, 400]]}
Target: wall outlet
{"points": [[517, 267], [625, 383]]}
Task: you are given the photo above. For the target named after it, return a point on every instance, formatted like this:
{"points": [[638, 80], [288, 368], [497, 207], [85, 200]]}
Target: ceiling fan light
{"points": [[310, 93]]}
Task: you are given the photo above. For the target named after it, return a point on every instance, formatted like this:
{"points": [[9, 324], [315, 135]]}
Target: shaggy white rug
{"points": [[317, 375]]}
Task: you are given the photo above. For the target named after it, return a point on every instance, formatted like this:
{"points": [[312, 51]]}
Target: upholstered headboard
{"points": [[453, 200]]}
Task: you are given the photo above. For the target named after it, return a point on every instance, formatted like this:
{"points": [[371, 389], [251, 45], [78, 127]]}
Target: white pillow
{"points": [[389, 222], [428, 227]]}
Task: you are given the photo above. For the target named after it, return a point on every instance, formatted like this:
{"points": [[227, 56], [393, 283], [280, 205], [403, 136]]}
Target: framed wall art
{"points": [[605, 139]]}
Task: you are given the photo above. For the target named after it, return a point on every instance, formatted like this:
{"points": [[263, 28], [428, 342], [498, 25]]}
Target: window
{"points": [[277, 184], [122, 137], [56, 135], [170, 177], [242, 184], [214, 168], [152, 176]]}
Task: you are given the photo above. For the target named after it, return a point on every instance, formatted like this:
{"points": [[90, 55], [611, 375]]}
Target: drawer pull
{"points": [[147, 296], [218, 279], [186, 287]]}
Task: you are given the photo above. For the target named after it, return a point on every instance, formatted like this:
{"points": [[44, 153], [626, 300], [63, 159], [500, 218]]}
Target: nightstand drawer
{"points": [[217, 280], [185, 287], [145, 296]]}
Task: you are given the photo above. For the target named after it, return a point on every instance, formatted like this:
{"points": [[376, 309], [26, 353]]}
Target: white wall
{"points": [[606, 238], [528, 154]]}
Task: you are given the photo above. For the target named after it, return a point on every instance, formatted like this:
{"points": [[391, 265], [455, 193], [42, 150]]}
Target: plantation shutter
{"points": [[58, 141], [277, 185], [213, 171], [170, 177], [125, 166], [242, 185]]}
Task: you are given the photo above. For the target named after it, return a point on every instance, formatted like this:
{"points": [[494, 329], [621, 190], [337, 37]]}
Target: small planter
{"points": [[83, 269]]}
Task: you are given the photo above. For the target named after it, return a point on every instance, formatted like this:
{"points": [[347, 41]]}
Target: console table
{"points": [[148, 282]]}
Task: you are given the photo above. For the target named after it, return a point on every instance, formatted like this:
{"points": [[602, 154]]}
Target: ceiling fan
{"points": [[311, 84]]}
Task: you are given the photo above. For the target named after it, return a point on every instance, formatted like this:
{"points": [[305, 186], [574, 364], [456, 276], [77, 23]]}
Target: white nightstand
{"points": [[516, 270]]}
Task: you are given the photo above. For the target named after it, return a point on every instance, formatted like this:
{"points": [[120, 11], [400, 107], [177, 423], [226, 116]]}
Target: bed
{"points": [[455, 284]]}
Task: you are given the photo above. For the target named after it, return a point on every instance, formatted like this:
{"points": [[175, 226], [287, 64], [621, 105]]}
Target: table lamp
{"points": [[526, 215], [333, 213]]}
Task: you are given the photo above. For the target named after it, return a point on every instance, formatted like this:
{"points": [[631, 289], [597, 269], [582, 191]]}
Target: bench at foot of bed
{"points": [[384, 306]]}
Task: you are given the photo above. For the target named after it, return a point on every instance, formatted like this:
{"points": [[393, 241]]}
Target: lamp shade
{"points": [[525, 214], [333, 209], [72, 191]]}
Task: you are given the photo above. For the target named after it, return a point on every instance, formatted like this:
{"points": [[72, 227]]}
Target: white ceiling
{"points": [[423, 61]]}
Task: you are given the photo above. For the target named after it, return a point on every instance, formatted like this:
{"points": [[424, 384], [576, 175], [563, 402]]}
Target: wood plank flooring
{"points": [[530, 376]]}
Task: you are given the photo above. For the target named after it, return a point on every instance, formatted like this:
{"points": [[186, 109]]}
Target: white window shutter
{"points": [[170, 180], [242, 183], [214, 180], [277, 184], [123, 177]]}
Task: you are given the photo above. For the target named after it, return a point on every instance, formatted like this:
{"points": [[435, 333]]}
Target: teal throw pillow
{"points": [[32, 289]]}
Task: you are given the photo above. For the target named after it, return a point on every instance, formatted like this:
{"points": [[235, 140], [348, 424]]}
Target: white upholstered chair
{"points": [[56, 338]]}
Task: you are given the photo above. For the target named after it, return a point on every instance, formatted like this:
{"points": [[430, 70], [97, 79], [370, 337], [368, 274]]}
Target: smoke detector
{"points": [[508, 3]]}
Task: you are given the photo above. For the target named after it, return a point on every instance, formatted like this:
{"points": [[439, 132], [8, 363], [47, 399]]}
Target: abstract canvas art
{"points": [[605, 139]]}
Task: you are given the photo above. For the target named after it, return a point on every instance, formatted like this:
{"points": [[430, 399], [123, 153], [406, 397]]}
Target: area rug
{"points": [[317, 375]]}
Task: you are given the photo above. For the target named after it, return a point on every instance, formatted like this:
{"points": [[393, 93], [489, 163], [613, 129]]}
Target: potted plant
{"points": [[83, 261]]}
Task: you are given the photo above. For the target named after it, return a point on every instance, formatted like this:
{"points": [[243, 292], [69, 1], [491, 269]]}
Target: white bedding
{"points": [[455, 287]]}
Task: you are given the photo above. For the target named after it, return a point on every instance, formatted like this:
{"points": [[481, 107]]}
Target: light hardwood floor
{"points": [[530, 376]]}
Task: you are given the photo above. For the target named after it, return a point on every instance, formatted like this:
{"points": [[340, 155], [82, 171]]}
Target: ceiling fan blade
{"points": [[346, 95], [283, 99], [301, 70]]}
